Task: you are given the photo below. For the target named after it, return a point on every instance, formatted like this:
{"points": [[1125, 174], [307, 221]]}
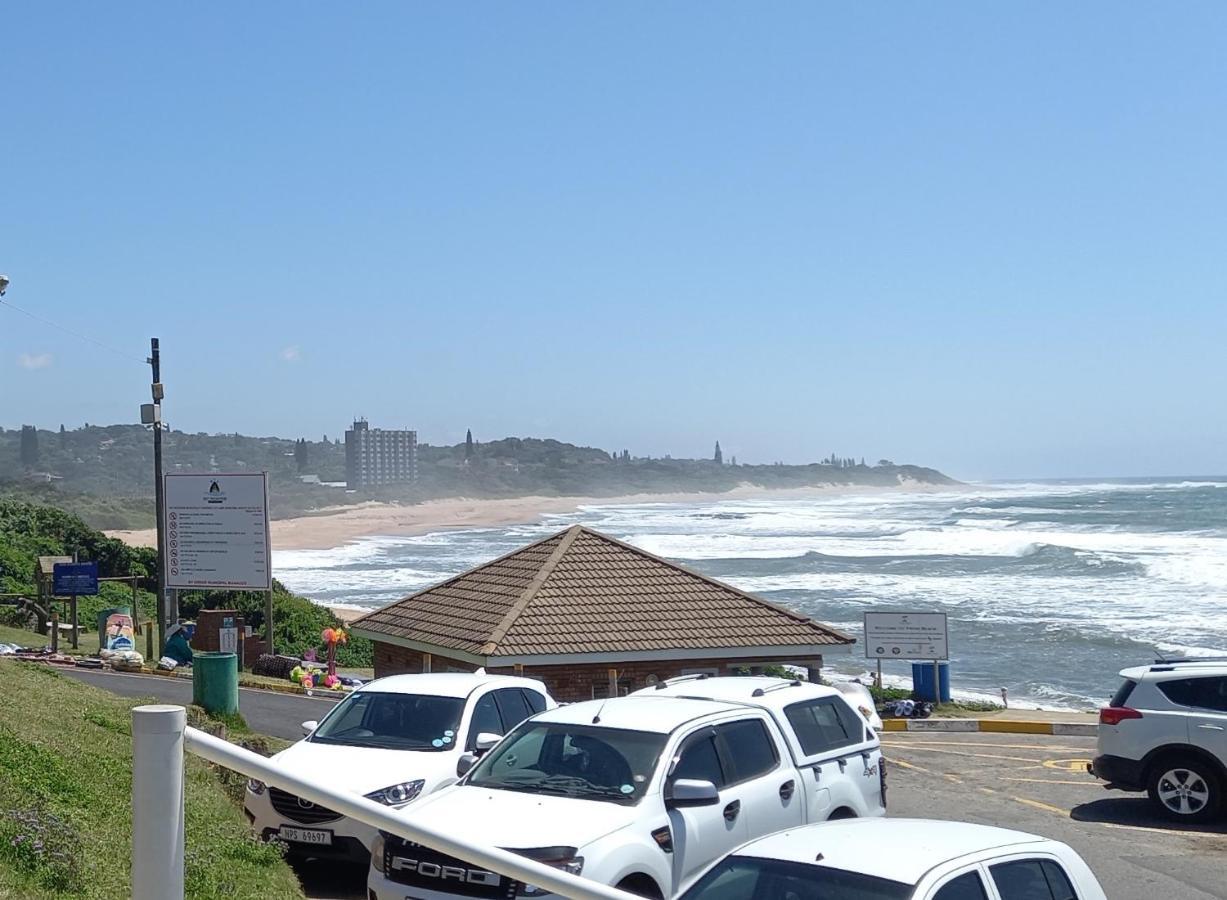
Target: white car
{"points": [[899, 859], [644, 792], [1165, 733], [393, 740]]}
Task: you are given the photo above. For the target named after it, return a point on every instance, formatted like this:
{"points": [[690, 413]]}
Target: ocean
{"points": [[1050, 588]]}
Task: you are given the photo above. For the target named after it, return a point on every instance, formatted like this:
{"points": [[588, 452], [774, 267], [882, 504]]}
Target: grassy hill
{"points": [[104, 473], [66, 817]]}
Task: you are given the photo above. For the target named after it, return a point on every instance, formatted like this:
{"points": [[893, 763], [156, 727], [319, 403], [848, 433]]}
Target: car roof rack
{"points": [[758, 692], [678, 679]]}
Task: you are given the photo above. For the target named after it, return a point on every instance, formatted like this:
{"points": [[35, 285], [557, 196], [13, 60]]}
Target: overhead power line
{"points": [[84, 337]]}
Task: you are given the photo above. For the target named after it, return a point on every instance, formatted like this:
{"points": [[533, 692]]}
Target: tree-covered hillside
{"points": [[105, 473]]}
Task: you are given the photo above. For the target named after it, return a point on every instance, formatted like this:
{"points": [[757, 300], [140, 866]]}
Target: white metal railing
{"points": [[160, 737]]}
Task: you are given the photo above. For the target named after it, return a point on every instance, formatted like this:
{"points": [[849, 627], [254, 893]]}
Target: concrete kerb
{"points": [[998, 726], [287, 688]]}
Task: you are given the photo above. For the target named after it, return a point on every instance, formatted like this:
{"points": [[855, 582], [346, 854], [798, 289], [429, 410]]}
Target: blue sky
{"points": [[984, 237]]}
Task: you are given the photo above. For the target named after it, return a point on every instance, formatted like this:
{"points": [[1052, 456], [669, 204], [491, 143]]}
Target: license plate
{"points": [[306, 836]]}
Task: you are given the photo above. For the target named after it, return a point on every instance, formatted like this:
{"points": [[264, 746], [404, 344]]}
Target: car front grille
{"points": [[299, 810], [421, 867]]}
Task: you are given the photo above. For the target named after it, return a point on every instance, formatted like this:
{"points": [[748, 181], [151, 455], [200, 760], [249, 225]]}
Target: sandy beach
{"points": [[330, 528]]}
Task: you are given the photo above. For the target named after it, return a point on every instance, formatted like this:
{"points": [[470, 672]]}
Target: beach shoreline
{"points": [[327, 529]]}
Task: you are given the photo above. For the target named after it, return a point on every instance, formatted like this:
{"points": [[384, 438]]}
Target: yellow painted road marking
{"points": [[908, 765], [1087, 783], [1067, 765], [1033, 762], [1169, 833], [1044, 806]]}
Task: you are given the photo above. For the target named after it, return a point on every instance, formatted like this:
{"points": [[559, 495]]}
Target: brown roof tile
{"points": [[580, 591]]}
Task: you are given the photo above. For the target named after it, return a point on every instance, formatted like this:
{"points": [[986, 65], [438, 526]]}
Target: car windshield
{"points": [[610, 764], [392, 721], [749, 878]]}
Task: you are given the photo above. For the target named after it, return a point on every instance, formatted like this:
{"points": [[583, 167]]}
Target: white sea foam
{"points": [[1054, 578]]}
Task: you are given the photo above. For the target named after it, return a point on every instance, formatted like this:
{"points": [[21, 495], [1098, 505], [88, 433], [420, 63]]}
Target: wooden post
{"points": [[72, 607], [879, 673], [613, 682], [518, 668], [268, 620], [937, 684], [426, 661], [55, 629]]}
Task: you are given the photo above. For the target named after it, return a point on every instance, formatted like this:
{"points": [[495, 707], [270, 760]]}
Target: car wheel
{"points": [[640, 886], [1185, 788]]}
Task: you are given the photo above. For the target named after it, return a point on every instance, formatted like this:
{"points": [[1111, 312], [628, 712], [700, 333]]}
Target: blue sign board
{"points": [[74, 578]]}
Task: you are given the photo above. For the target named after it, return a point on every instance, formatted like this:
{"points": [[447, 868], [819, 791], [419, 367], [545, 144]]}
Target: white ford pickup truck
{"points": [[644, 792]]}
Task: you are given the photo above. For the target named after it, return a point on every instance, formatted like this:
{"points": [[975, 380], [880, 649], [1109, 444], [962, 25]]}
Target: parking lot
{"points": [[1034, 783], [1039, 784]]}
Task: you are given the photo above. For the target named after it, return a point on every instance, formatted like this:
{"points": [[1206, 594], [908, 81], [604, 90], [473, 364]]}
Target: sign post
{"points": [[73, 580], [217, 535], [908, 635]]}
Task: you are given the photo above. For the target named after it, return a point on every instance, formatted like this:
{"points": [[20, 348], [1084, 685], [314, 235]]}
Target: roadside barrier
{"points": [[160, 737], [999, 726]]}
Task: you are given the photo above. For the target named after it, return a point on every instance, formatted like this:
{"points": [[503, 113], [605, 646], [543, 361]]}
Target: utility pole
{"points": [[163, 606]]}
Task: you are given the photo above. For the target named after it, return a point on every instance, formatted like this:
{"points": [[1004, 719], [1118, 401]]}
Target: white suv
{"points": [[392, 740], [1165, 733]]}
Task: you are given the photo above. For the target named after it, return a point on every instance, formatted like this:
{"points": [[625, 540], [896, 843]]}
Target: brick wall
{"points": [[566, 683]]}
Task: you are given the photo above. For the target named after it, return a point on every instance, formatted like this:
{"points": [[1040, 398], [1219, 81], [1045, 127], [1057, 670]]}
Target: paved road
{"points": [[1039, 784], [280, 715]]}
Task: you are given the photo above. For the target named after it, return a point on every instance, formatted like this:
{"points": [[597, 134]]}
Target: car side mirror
{"points": [[691, 792], [466, 762], [487, 740], [309, 726]]}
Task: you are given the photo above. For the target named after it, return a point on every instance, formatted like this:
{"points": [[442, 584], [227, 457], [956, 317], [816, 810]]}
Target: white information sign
{"points": [[906, 635], [228, 640], [217, 532]]}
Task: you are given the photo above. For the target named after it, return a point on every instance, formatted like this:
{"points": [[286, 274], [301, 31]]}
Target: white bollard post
{"points": [[157, 802]]}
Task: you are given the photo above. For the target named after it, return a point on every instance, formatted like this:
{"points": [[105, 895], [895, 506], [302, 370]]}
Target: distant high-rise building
{"points": [[718, 456], [376, 457]]}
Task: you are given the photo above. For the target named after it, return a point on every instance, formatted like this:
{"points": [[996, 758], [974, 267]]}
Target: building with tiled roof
{"points": [[589, 614]]}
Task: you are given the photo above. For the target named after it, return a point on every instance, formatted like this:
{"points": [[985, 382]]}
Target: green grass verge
{"points": [[87, 643], [65, 801]]}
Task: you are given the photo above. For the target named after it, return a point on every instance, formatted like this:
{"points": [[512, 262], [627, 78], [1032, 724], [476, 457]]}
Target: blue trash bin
{"points": [[922, 681]]}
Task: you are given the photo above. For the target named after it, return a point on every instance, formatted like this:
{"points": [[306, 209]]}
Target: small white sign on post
{"points": [[906, 635], [217, 532]]}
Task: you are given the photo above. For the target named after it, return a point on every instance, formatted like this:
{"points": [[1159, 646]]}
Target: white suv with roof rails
{"points": [[644, 792], [393, 740], [1165, 733]]}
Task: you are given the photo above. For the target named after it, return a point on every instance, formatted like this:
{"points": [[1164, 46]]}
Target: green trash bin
{"points": [[215, 682]]}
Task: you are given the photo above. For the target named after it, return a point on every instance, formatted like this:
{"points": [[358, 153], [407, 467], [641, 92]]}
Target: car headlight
{"points": [[563, 858], [398, 794], [256, 787]]}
